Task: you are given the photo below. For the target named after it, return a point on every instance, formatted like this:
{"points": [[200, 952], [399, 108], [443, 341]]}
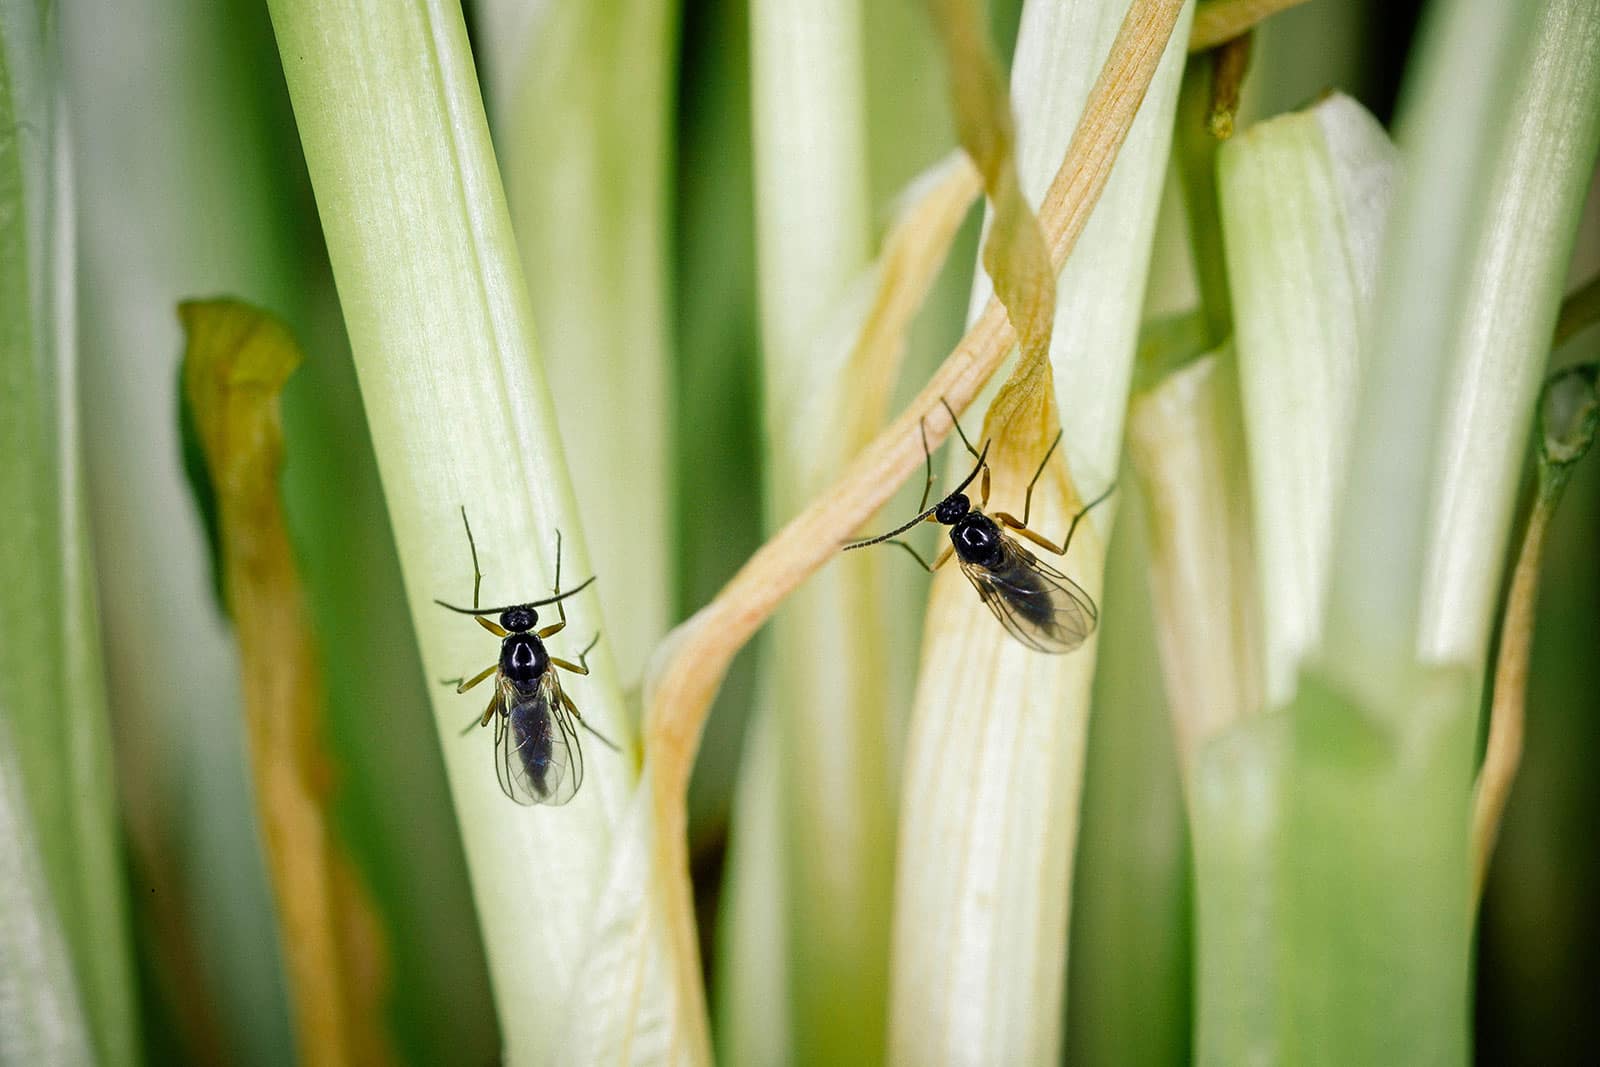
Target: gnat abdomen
{"points": [[533, 740], [1030, 595]]}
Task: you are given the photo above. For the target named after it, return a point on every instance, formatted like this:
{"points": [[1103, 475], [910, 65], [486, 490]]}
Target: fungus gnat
{"points": [[536, 752], [1037, 604]]}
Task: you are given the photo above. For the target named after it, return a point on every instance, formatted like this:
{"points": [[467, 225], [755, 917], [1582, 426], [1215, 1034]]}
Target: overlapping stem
{"points": [[691, 663]]}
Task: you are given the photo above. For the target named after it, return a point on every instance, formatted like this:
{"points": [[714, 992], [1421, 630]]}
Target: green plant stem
{"points": [[1511, 292], [1331, 880], [420, 240], [695, 658], [753, 1016], [64, 949], [813, 239], [580, 98], [1186, 444], [1304, 198], [1331, 838], [980, 922], [1196, 157], [1452, 137]]}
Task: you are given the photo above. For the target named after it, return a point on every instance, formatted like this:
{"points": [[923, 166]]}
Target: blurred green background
{"points": [[189, 182]]}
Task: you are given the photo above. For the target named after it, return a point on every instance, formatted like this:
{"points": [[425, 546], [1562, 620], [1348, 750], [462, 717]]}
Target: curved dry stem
{"points": [[1014, 253], [689, 666], [1569, 418], [1503, 752], [912, 255]]}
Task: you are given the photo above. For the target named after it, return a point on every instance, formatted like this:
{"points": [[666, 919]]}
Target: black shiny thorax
{"points": [[978, 539], [523, 659], [976, 536]]}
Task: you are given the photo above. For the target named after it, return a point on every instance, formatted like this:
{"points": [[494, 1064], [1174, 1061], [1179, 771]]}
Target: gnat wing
{"points": [[1037, 604], [536, 752]]}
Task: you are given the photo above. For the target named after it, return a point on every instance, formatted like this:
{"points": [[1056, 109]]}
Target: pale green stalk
{"points": [[752, 994], [66, 976], [581, 95], [908, 125], [1331, 847], [717, 403], [420, 239], [1331, 884], [863, 348], [42, 1015], [1172, 289], [812, 241], [812, 213], [1512, 293], [1304, 198], [1187, 447], [1300, 816], [989, 806], [1457, 123]]}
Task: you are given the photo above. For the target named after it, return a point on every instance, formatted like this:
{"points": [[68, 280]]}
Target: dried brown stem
{"points": [[913, 252], [1503, 752], [1569, 419], [1227, 82], [237, 362], [689, 666]]}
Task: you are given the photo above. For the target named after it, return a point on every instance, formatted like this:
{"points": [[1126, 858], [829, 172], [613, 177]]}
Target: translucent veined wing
{"points": [[536, 753], [1037, 604]]}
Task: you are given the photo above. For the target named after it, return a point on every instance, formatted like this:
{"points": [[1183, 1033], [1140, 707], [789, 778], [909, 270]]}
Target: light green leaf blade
{"points": [[1510, 296], [985, 856], [1304, 199], [580, 95], [64, 947], [433, 296]]}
